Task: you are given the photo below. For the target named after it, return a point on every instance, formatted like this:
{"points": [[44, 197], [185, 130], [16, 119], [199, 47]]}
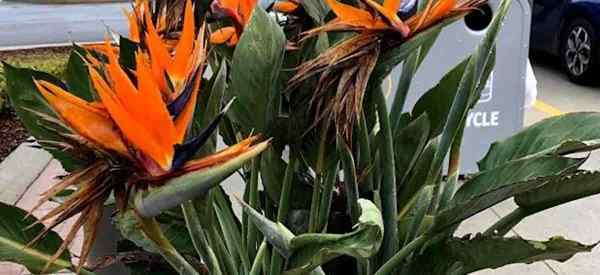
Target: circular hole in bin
{"points": [[479, 19]]}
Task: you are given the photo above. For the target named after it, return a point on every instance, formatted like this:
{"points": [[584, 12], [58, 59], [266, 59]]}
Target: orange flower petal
{"points": [[150, 104], [235, 38], [88, 121], [178, 69], [144, 108], [285, 6], [158, 52], [392, 16], [425, 19], [349, 14], [222, 35], [246, 8], [392, 5], [135, 134]]}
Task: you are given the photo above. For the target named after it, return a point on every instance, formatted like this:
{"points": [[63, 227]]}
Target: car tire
{"points": [[579, 52]]}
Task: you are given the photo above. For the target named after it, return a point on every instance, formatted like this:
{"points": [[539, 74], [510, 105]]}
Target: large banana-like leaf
{"points": [[409, 143], [14, 240], [463, 256], [557, 191], [255, 69], [437, 101], [175, 191], [493, 186], [562, 190], [476, 73], [544, 135], [29, 104]]}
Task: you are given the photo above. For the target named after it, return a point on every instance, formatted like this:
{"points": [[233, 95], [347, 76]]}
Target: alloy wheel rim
{"points": [[578, 53]]}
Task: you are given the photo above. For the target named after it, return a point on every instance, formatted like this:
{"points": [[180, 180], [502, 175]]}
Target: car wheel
{"points": [[579, 51]]}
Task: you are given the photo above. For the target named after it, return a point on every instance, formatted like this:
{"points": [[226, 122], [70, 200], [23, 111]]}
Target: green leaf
{"points": [[174, 230], [24, 98], [190, 185], [275, 233], [127, 50], [463, 256], [515, 171], [493, 186], [350, 183], [467, 91], [316, 9], [208, 109], [77, 75], [542, 136], [437, 101], [409, 143], [233, 237], [314, 249], [420, 210], [389, 205], [14, 242], [409, 69], [559, 191], [256, 65], [416, 181]]}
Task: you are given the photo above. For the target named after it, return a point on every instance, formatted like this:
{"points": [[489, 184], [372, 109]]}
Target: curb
{"points": [[19, 170], [50, 45]]}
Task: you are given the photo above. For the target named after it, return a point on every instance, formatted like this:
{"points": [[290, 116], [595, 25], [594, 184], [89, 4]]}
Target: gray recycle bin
{"points": [[499, 112]]}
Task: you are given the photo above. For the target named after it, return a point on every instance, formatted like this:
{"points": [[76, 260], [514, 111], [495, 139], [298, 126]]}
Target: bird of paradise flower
{"points": [[138, 129]]}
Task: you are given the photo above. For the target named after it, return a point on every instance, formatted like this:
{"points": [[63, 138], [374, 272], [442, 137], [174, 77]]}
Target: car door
{"points": [[545, 23]]}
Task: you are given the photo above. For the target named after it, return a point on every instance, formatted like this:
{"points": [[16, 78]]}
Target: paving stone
{"points": [[19, 170]]}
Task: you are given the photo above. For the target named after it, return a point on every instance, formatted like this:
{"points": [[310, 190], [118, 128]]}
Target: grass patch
{"points": [[50, 60]]}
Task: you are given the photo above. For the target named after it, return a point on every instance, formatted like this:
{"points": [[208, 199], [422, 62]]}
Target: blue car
{"points": [[569, 29]]}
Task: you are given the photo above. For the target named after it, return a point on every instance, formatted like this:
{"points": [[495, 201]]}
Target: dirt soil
{"points": [[12, 133]]}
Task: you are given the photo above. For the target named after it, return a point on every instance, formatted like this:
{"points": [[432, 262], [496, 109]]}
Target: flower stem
{"points": [[396, 260], [153, 232], [388, 182]]}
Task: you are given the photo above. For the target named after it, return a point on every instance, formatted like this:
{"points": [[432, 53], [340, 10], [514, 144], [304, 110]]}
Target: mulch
{"points": [[12, 133], [4, 55]]}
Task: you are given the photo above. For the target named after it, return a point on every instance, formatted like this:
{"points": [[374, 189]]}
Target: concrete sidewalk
{"points": [[23, 25]]}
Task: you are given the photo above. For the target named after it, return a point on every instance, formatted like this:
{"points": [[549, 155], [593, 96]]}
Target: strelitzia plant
{"points": [[334, 181]]}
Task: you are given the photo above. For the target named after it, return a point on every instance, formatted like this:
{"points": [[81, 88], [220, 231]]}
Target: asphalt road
{"points": [[33, 24]]}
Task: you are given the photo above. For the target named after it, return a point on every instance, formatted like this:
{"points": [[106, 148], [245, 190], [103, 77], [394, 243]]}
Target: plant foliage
{"points": [[333, 182]]}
